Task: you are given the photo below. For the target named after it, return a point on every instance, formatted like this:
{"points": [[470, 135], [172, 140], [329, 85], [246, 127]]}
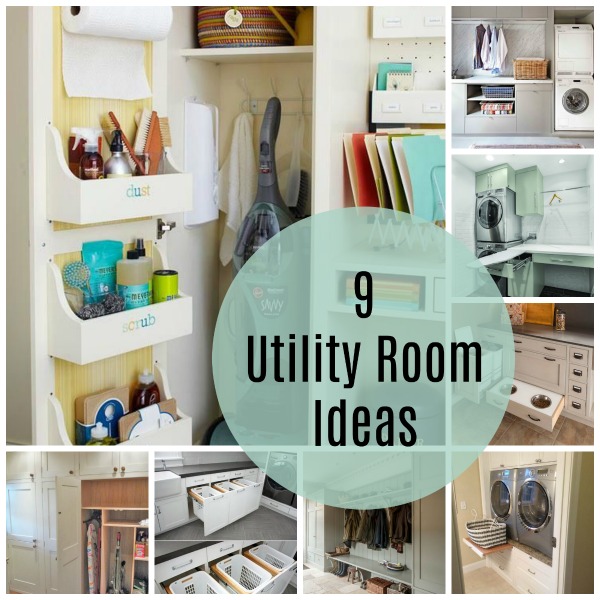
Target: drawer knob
{"points": [[538, 460]]}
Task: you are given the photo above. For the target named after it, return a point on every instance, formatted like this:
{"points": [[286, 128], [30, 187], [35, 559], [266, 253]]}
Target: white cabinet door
{"points": [[51, 566], [99, 463], [459, 107], [240, 503], [172, 512], [418, 22], [216, 513], [315, 527], [503, 460], [157, 528], [534, 109], [49, 512], [428, 542], [20, 466], [68, 534], [21, 512], [24, 571], [133, 462], [58, 464], [531, 459]]}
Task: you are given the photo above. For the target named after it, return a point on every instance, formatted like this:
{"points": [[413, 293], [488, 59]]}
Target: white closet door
{"points": [[68, 534], [51, 566], [134, 462], [49, 512], [21, 512], [58, 464], [24, 568]]}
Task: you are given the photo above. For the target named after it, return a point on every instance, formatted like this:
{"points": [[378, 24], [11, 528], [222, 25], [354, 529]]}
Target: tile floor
{"points": [[513, 431], [460, 142], [262, 524], [486, 581], [317, 582]]}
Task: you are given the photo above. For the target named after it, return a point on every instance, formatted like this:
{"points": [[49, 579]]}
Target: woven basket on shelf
{"points": [[530, 68], [259, 27], [378, 585], [487, 533]]}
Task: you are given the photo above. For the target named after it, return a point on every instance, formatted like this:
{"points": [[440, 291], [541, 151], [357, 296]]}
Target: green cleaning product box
{"points": [[105, 407]]}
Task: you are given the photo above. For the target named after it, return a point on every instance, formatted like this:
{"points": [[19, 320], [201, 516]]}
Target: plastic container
{"points": [[134, 280], [146, 393], [241, 574], [270, 559], [91, 165], [196, 583]]}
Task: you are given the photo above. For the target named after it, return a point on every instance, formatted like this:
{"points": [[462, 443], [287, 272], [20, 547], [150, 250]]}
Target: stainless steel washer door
{"points": [[533, 505], [575, 101], [500, 500], [489, 213]]}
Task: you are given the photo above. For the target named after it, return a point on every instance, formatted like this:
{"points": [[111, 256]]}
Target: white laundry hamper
{"points": [[241, 575], [270, 559], [196, 583]]}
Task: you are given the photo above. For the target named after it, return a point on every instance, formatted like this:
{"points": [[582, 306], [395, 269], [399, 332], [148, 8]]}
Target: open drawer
{"points": [[253, 492], [508, 268], [211, 507]]}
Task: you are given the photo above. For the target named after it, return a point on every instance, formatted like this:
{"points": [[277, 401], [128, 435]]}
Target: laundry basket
{"points": [[269, 559], [241, 574], [196, 583], [199, 495], [530, 68], [487, 532]]}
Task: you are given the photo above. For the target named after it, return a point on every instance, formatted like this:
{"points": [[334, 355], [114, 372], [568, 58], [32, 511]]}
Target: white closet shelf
{"points": [[83, 342], [262, 54], [71, 200], [411, 106], [178, 433]]}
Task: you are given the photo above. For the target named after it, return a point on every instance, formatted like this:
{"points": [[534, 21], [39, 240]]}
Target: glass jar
{"points": [[560, 321]]}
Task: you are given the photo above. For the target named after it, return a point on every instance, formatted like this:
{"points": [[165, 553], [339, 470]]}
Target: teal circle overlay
{"points": [[436, 315]]}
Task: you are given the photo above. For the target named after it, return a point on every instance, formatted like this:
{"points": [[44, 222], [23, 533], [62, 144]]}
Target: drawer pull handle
{"points": [[560, 260], [517, 341], [538, 460], [548, 348], [550, 359], [501, 567], [576, 405], [529, 591], [578, 372], [189, 562], [577, 355], [530, 571], [227, 548], [533, 418], [518, 351], [577, 388]]}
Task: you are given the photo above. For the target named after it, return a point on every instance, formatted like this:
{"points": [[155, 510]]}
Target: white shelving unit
{"points": [[272, 54]]}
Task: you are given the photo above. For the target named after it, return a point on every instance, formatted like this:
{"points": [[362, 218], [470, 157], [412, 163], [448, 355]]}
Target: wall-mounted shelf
{"points": [[413, 106], [483, 552], [269, 54], [71, 200], [178, 433], [82, 342]]}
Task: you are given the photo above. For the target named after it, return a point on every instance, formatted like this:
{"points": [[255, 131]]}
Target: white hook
{"points": [[245, 89], [273, 87]]}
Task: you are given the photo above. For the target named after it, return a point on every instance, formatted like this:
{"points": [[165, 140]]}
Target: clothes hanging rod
{"points": [[579, 187], [500, 22]]}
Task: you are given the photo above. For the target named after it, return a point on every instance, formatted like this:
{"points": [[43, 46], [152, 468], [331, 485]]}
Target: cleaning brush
{"points": [[165, 131]]}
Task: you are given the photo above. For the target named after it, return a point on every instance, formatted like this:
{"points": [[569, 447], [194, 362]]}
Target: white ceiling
{"points": [[548, 164]]}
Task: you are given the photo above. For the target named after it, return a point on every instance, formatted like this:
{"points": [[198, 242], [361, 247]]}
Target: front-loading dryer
{"points": [[574, 104], [496, 218], [573, 50], [503, 499], [536, 488]]}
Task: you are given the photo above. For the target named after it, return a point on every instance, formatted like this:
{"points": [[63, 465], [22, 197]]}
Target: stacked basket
{"points": [[487, 533]]}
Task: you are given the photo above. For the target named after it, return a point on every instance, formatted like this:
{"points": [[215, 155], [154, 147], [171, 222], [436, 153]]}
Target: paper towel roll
{"points": [[147, 23], [103, 49]]}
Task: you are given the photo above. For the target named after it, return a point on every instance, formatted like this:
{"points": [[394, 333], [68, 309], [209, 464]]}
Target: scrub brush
{"points": [[109, 123]]}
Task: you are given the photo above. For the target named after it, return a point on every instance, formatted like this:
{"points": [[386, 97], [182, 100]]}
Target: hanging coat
{"points": [[351, 526], [486, 59], [479, 33], [401, 518], [501, 51], [380, 537]]}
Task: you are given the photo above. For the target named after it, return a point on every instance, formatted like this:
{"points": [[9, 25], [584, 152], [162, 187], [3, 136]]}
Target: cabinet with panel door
{"points": [[21, 466], [502, 176], [113, 463], [58, 464], [530, 185], [171, 512]]}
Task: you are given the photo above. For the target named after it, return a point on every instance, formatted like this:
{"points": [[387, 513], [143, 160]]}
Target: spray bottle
{"points": [[77, 140]]}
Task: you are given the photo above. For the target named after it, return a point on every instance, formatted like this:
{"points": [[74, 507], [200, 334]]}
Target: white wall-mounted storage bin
{"points": [[83, 342], [71, 200], [178, 433], [413, 106], [409, 22]]}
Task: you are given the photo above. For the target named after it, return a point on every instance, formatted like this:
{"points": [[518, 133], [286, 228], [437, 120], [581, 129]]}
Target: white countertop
{"points": [[567, 250], [482, 80]]}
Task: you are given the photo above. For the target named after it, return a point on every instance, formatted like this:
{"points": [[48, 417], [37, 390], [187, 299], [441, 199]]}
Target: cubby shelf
{"points": [[268, 54], [71, 200], [82, 342]]}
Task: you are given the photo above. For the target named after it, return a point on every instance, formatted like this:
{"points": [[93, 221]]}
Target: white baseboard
{"points": [[474, 566]]}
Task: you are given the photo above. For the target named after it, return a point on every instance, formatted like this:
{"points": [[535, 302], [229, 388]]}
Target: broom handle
{"points": [[284, 23]]}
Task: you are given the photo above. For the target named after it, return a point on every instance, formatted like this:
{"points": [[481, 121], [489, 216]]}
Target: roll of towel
{"points": [[103, 49]]}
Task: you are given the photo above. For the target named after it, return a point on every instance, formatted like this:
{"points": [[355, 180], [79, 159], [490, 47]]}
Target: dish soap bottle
{"points": [[146, 393], [91, 165], [133, 284], [117, 165], [100, 436]]}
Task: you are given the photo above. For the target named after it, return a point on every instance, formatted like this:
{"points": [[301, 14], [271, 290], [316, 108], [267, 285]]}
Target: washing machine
{"points": [[574, 103], [496, 218], [282, 473], [536, 489], [503, 494], [573, 50]]}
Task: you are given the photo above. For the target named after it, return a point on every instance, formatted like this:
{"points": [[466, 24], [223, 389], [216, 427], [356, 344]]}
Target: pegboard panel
{"points": [[427, 55]]}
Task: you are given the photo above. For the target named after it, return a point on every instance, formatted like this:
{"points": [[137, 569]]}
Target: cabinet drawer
{"points": [[578, 356], [576, 406], [222, 549], [542, 346], [545, 371], [577, 373], [491, 124], [577, 390], [531, 584], [197, 481], [531, 415], [221, 476], [179, 565], [565, 260], [526, 562]]}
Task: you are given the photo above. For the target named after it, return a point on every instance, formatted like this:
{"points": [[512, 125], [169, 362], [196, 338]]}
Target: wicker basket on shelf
{"points": [[259, 26], [378, 585], [530, 68]]}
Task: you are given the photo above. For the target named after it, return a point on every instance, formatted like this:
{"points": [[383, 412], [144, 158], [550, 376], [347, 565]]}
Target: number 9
{"points": [[368, 296]]}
